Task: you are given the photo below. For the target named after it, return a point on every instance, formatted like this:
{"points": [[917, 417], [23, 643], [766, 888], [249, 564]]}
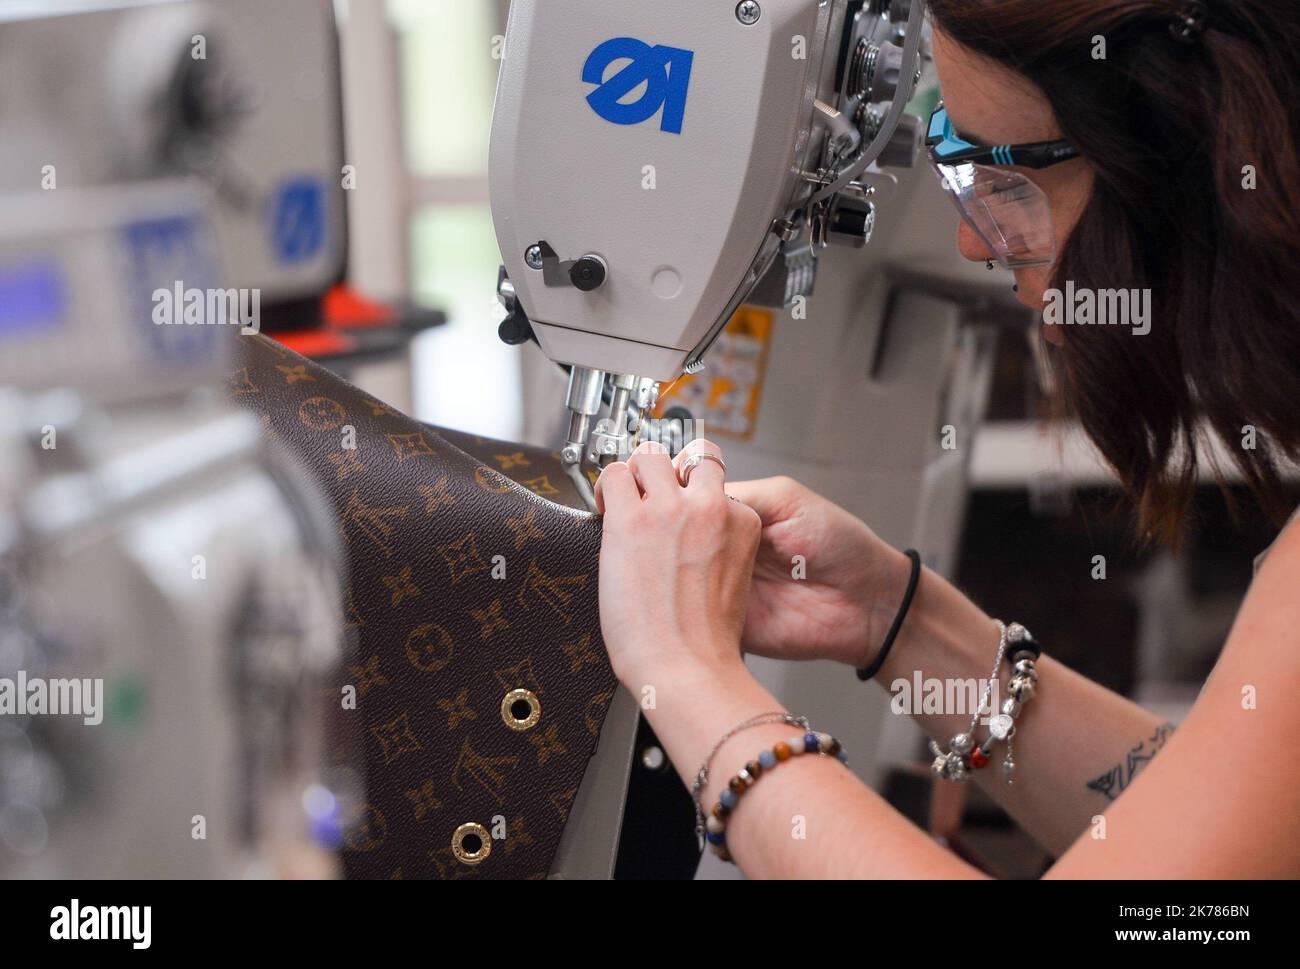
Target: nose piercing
{"points": [[988, 264]]}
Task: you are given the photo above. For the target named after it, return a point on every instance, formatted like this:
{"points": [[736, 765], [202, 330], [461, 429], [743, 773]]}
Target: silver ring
{"points": [[687, 466]]}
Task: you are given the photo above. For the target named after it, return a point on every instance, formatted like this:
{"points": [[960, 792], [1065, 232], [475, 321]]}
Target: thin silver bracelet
{"points": [[962, 755], [702, 775]]}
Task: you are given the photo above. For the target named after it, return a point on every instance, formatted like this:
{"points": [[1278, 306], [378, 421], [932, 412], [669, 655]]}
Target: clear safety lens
{"points": [[1007, 211]]}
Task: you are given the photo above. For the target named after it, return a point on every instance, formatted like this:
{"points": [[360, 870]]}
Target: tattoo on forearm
{"points": [[1114, 782]]}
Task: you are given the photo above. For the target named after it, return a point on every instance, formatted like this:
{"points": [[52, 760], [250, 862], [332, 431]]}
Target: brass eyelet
{"points": [[521, 710], [469, 832]]}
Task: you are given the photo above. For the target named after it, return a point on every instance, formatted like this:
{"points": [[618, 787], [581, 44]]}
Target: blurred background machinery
{"points": [[148, 542]]}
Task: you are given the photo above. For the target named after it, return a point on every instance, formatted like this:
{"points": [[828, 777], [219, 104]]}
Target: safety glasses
{"points": [[1009, 213]]}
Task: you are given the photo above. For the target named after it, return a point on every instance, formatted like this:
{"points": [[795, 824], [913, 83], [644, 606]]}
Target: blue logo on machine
{"points": [[160, 252], [665, 72], [298, 221]]}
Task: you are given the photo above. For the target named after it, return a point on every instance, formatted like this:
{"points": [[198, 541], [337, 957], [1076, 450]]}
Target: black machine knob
{"points": [[516, 329], [851, 222], [588, 273]]}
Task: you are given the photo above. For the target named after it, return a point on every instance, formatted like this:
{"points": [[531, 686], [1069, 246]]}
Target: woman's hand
{"points": [[675, 566], [851, 586]]}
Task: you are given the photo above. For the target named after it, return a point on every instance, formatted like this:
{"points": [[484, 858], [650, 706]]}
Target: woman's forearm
{"points": [[797, 820], [1077, 744]]}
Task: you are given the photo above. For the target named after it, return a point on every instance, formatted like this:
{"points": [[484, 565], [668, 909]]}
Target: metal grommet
{"points": [[471, 843], [521, 710]]}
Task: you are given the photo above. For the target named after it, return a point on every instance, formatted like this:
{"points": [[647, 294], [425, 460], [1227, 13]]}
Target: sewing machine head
{"points": [[654, 166]]}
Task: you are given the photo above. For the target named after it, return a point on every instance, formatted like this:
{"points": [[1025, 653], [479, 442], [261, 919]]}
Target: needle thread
{"points": [[640, 418]]}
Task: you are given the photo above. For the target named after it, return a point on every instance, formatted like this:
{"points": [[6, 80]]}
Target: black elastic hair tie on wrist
{"points": [[867, 672]]}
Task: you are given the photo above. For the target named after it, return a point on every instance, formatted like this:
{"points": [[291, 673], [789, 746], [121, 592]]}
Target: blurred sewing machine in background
{"points": [[157, 563]]}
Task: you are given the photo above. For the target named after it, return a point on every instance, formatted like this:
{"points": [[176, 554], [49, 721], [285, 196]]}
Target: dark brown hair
{"points": [[1169, 128]]}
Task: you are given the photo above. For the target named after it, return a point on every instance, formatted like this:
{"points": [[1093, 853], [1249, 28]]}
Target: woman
{"points": [[1181, 180]]}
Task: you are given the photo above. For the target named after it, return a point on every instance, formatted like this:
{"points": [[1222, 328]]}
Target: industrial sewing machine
{"points": [[670, 183], [654, 167]]}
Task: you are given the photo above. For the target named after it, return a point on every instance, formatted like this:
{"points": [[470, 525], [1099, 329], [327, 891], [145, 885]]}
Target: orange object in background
{"points": [[725, 396], [350, 323], [346, 308]]}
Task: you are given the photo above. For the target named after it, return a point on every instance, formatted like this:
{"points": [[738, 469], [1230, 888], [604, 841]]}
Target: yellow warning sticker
{"points": [[725, 395]]}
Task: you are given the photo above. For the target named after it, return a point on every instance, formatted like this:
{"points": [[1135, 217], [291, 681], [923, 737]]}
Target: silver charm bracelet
{"points": [[962, 756]]}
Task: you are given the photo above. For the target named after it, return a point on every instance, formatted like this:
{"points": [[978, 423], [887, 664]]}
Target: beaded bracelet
{"points": [[1022, 651], [811, 742], [702, 775]]}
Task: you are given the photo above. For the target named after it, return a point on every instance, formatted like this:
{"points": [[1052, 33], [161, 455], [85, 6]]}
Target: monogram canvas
{"points": [[469, 577]]}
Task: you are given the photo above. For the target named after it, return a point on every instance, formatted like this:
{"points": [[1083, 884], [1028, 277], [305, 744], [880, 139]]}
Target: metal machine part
{"points": [[653, 167]]}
